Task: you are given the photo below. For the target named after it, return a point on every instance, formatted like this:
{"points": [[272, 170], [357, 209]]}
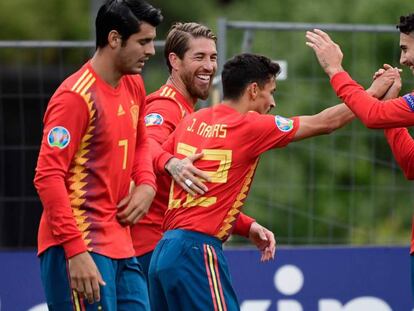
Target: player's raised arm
{"points": [[371, 111], [324, 122], [338, 116]]}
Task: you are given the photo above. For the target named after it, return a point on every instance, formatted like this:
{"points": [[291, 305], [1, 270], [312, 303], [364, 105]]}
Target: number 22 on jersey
{"points": [[223, 157]]}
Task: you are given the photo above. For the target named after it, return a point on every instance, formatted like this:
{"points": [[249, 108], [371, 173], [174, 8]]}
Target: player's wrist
{"points": [[168, 167], [333, 70], [147, 188], [74, 247]]}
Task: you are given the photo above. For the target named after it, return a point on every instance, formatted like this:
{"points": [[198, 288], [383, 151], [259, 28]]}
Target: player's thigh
{"points": [[55, 279], [191, 277], [107, 268], [158, 300], [225, 281], [215, 291], [132, 288], [56, 282], [144, 261]]}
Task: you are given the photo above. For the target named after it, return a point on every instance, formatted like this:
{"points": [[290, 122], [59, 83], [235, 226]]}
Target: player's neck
{"points": [[105, 69], [241, 105], [180, 87]]}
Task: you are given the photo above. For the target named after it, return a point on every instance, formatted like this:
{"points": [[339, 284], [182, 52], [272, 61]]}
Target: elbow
{"points": [[332, 126], [36, 181], [321, 129], [408, 172], [372, 120], [409, 175], [371, 124]]}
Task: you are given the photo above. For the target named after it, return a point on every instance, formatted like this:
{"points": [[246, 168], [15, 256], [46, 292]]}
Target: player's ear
{"points": [[253, 90], [114, 39], [174, 60]]}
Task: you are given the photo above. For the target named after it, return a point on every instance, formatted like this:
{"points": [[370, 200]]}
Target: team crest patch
{"points": [[409, 98], [153, 119], [284, 124], [58, 137]]}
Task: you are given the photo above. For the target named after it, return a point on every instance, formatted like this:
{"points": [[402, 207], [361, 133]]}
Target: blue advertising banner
{"points": [[325, 279], [316, 279]]}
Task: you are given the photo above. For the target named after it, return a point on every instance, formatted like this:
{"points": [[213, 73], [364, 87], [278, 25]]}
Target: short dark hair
{"points": [[124, 16], [244, 69], [179, 35], [406, 24]]}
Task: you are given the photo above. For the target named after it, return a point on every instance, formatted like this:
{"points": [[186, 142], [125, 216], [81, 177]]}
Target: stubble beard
{"points": [[193, 90]]}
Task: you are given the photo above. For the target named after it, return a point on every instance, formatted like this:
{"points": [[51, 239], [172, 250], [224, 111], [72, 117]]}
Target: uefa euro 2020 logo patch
{"points": [[58, 137], [284, 124], [153, 119]]}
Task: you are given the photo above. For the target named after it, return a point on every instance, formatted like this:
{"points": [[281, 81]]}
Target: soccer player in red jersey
{"points": [[94, 142], [191, 56], [393, 114], [188, 270]]}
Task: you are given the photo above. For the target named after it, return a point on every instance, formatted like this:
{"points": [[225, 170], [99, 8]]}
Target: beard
{"points": [[194, 91]]}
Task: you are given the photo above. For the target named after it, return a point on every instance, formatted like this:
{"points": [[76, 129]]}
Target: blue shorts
{"points": [[188, 271], [125, 287], [144, 261]]}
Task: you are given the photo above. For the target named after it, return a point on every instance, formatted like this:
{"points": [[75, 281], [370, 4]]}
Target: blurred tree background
{"points": [[343, 188]]}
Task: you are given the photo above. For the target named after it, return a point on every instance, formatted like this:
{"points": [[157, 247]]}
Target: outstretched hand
{"points": [[187, 175], [264, 240], [329, 53]]}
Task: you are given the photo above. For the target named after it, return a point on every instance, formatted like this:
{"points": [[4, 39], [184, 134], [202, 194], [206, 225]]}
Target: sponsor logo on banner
{"points": [[284, 124], [153, 119], [289, 280], [409, 98], [58, 137]]}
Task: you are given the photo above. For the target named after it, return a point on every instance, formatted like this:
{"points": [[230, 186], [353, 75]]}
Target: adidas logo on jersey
{"points": [[121, 110]]}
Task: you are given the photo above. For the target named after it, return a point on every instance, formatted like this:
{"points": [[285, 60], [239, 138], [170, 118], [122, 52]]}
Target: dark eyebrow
{"points": [[145, 40]]}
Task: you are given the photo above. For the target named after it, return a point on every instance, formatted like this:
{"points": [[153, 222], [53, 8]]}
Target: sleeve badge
{"points": [[153, 119], [284, 124], [58, 137]]}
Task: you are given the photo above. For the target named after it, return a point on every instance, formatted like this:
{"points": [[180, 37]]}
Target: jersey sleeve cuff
{"points": [[147, 182], [243, 224], [339, 79], [162, 161], [74, 247]]}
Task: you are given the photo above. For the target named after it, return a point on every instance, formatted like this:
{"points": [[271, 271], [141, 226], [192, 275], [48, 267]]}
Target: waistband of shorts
{"points": [[192, 235]]}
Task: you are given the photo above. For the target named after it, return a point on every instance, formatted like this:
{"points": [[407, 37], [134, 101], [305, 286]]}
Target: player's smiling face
{"points": [[407, 50], [265, 100], [198, 66], [133, 54]]}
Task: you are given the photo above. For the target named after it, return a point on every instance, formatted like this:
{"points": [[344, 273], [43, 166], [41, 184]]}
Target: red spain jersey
{"points": [[402, 146], [94, 141], [231, 143], [164, 110], [373, 113]]}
